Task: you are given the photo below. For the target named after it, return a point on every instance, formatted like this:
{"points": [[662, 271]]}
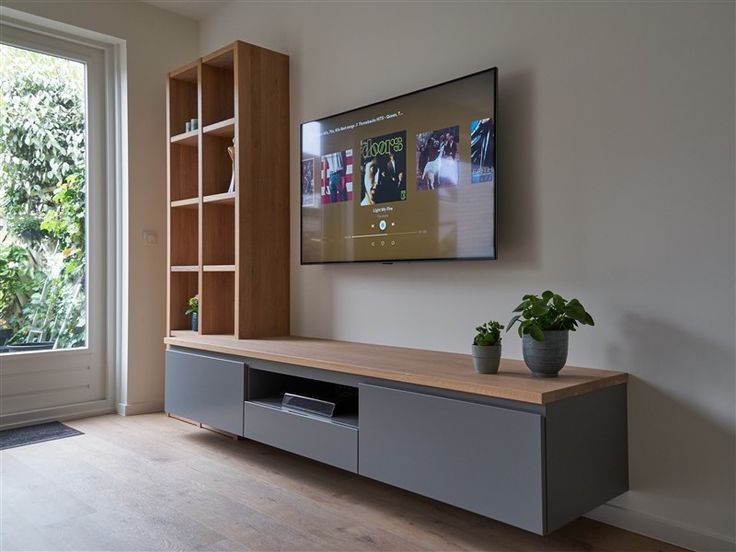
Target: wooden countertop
{"points": [[438, 369]]}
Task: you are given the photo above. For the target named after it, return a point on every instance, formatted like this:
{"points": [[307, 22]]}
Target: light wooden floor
{"points": [[155, 483]]}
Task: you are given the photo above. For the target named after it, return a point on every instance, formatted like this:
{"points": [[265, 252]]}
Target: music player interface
{"points": [[409, 178]]}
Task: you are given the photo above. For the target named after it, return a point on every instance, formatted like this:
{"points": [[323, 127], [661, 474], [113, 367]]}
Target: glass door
{"points": [[52, 231]]}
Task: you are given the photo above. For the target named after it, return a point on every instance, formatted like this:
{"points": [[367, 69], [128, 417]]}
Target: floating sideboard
{"points": [[533, 453]]}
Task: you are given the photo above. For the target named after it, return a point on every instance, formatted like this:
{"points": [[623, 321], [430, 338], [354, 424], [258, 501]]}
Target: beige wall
{"points": [[616, 178], [617, 186], [157, 41]]}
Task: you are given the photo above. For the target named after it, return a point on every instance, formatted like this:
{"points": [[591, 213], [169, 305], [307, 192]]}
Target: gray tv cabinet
{"points": [[533, 453]]}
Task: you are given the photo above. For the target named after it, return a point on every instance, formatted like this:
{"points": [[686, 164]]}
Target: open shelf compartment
{"points": [[218, 87], [217, 303], [217, 165], [267, 389], [184, 172], [218, 234], [182, 98], [183, 285], [184, 237]]}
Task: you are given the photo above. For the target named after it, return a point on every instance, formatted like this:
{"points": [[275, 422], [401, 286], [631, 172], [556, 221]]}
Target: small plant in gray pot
{"points": [[193, 304], [487, 347], [545, 324]]}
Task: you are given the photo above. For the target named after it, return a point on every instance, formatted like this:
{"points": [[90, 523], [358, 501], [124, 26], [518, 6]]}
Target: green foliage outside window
{"points": [[42, 197]]}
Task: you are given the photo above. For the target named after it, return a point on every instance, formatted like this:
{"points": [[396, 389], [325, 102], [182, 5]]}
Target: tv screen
{"points": [[410, 178]]}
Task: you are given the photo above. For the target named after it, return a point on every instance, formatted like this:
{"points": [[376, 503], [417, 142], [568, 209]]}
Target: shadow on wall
{"points": [[518, 190], [659, 421]]}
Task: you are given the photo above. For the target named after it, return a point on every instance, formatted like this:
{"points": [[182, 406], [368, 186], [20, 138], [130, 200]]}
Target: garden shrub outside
{"points": [[42, 198]]}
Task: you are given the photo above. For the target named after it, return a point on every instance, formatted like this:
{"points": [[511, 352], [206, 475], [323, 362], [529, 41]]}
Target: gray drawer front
{"points": [[481, 458], [320, 440], [205, 389]]}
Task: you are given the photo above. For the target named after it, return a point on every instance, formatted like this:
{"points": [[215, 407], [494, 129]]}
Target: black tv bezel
{"points": [[494, 257]]}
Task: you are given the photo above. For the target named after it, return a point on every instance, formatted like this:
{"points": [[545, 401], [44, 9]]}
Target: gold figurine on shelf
{"points": [[231, 152]]}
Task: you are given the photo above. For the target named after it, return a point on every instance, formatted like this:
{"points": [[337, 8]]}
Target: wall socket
{"points": [[149, 237]]}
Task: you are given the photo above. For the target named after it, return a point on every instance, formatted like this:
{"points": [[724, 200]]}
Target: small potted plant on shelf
{"points": [[544, 325], [487, 347], [193, 304]]}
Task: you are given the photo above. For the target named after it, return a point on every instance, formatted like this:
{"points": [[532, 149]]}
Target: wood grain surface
{"points": [[443, 370], [154, 483]]}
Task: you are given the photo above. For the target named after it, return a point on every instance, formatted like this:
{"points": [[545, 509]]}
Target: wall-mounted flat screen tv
{"points": [[407, 179]]}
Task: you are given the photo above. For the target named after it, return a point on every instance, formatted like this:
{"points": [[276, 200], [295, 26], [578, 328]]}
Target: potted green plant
{"points": [[193, 304], [487, 347], [545, 324], [5, 332]]}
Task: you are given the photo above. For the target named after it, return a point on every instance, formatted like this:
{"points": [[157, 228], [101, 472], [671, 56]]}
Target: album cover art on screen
{"points": [[482, 150], [438, 158], [383, 169], [337, 176], [309, 195]]}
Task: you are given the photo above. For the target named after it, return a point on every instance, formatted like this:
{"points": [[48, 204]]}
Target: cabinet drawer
{"points": [[321, 440], [482, 458], [205, 389]]}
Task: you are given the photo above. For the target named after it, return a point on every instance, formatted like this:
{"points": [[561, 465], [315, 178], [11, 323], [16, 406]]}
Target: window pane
{"points": [[43, 204]]}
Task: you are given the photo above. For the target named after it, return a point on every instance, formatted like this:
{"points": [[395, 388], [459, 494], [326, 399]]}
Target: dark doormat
{"points": [[10, 438]]}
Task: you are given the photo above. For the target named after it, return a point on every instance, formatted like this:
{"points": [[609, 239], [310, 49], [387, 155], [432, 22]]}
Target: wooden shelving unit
{"points": [[230, 247]]}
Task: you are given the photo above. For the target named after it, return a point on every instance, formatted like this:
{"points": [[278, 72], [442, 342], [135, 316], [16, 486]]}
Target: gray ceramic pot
{"points": [[546, 358], [486, 358]]}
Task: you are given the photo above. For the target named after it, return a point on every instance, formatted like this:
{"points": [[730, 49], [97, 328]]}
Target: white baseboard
{"points": [[131, 409], [56, 413], [692, 538]]}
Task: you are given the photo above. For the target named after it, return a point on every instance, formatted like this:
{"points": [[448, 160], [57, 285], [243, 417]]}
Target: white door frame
{"points": [[107, 215]]}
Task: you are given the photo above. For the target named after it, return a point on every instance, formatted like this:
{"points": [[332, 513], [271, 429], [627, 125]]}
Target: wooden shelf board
{"points": [[190, 138], [220, 335], [222, 58], [219, 268], [224, 128], [442, 370], [189, 203], [187, 73], [183, 333], [184, 268], [227, 198]]}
